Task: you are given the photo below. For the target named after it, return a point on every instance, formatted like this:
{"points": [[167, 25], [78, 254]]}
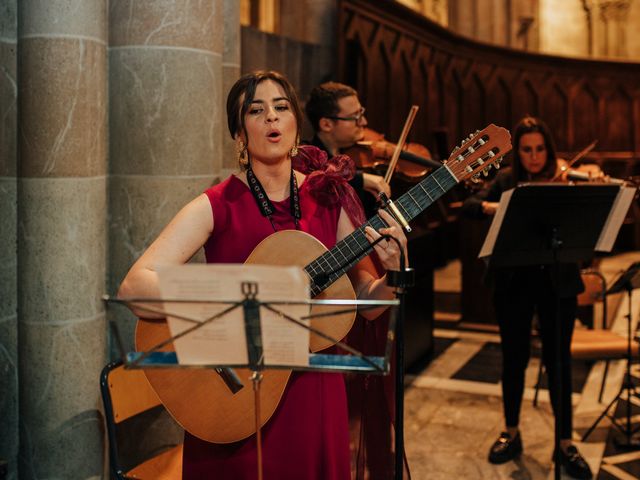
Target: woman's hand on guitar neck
{"points": [[388, 250]]}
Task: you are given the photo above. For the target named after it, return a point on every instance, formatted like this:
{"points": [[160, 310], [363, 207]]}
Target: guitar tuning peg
{"points": [[477, 132], [485, 172], [475, 179], [497, 165]]}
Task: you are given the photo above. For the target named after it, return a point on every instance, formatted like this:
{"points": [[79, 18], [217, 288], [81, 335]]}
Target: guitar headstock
{"points": [[478, 152]]}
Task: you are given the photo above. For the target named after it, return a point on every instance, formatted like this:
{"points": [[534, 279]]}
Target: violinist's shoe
{"points": [[505, 448], [574, 464]]}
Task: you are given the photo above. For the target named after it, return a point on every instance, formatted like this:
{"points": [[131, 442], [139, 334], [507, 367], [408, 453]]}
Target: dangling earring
{"points": [[242, 153], [294, 149]]}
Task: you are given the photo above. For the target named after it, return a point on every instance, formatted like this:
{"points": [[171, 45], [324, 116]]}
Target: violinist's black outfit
{"points": [[519, 292]]}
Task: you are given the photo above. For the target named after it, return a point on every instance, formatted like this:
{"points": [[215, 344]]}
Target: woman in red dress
{"points": [[307, 436]]}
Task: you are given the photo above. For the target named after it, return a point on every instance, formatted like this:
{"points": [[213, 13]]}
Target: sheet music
{"points": [[614, 220], [490, 240], [223, 340]]}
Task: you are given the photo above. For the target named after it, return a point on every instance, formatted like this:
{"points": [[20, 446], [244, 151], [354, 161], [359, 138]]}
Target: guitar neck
{"points": [[334, 263]]}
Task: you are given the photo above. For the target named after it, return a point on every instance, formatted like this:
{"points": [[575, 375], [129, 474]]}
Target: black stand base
{"points": [[624, 443], [625, 439], [628, 441]]}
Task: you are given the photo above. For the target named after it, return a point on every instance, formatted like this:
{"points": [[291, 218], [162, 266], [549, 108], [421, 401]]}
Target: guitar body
{"points": [[198, 399]]}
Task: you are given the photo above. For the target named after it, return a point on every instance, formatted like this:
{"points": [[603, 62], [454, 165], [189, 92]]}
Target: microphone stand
{"points": [[400, 280]]}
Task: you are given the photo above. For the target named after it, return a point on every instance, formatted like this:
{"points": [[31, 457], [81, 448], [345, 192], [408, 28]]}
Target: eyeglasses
{"points": [[355, 118]]}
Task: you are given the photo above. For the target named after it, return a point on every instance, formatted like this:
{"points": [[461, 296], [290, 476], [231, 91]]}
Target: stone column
{"points": [[8, 246], [614, 14], [563, 28], [165, 121], [61, 235], [462, 15], [230, 73], [437, 10]]}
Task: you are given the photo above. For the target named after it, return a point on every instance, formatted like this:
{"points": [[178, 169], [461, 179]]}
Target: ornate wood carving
{"points": [[395, 57]]}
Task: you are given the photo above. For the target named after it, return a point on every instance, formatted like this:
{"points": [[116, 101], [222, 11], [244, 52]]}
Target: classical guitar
{"points": [[202, 402]]}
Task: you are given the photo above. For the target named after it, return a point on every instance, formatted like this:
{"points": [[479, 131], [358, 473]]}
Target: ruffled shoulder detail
{"points": [[328, 180]]}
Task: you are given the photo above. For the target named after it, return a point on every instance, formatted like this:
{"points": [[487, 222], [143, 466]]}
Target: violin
{"points": [[373, 154], [592, 173], [587, 172]]}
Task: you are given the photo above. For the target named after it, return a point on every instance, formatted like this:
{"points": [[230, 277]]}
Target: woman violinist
{"points": [[307, 436], [520, 292]]}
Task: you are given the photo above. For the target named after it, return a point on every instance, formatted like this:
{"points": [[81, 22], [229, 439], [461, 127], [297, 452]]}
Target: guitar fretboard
{"points": [[334, 263]]}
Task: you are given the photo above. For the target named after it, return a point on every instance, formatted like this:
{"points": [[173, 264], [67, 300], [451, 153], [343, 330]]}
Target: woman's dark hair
{"points": [[533, 125], [323, 101], [237, 107]]}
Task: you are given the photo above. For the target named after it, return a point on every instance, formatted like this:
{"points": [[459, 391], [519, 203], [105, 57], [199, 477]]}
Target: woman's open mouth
{"points": [[274, 136]]}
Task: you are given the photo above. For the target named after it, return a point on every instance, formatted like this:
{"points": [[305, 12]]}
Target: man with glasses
{"points": [[338, 121]]}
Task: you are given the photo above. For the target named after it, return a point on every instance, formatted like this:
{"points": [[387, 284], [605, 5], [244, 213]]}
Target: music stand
{"points": [[628, 281], [354, 363], [550, 224]]}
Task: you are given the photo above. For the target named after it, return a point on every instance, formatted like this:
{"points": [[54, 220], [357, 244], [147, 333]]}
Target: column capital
{"points": [[617, 10]]}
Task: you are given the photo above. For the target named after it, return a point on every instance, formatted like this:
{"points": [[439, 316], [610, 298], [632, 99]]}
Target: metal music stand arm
{"points": [[400, 280]]}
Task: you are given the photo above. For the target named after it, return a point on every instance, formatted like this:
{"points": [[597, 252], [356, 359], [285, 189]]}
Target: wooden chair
{"points": [[144, 441], [594, 344]]}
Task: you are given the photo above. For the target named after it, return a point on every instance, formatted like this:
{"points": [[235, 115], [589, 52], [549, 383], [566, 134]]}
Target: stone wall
{"points": [[602, 29], [121, 108], [8, 235]]}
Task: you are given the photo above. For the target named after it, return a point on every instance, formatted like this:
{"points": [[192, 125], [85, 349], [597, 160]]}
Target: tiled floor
{"points": [[454, 410]]}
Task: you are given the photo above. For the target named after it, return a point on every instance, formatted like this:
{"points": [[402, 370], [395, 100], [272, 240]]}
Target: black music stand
{"points": [[251, 306], [628, 281], [550, 224]]}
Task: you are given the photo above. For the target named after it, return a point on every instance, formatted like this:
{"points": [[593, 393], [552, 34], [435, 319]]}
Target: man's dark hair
{"points": [[323, 101]]}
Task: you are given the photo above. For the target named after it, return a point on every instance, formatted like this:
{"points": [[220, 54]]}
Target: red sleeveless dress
{"points": [[307, 437]]}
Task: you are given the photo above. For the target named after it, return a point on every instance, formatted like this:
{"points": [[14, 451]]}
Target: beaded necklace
{"points": [[265, 205]]}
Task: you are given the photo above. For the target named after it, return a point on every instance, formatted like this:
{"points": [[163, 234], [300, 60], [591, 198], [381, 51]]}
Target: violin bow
{"points": [[403, 137], [578, 156]]}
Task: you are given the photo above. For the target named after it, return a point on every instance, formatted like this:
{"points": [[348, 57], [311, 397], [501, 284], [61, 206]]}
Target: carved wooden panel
{"points": [[395, 58]]}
